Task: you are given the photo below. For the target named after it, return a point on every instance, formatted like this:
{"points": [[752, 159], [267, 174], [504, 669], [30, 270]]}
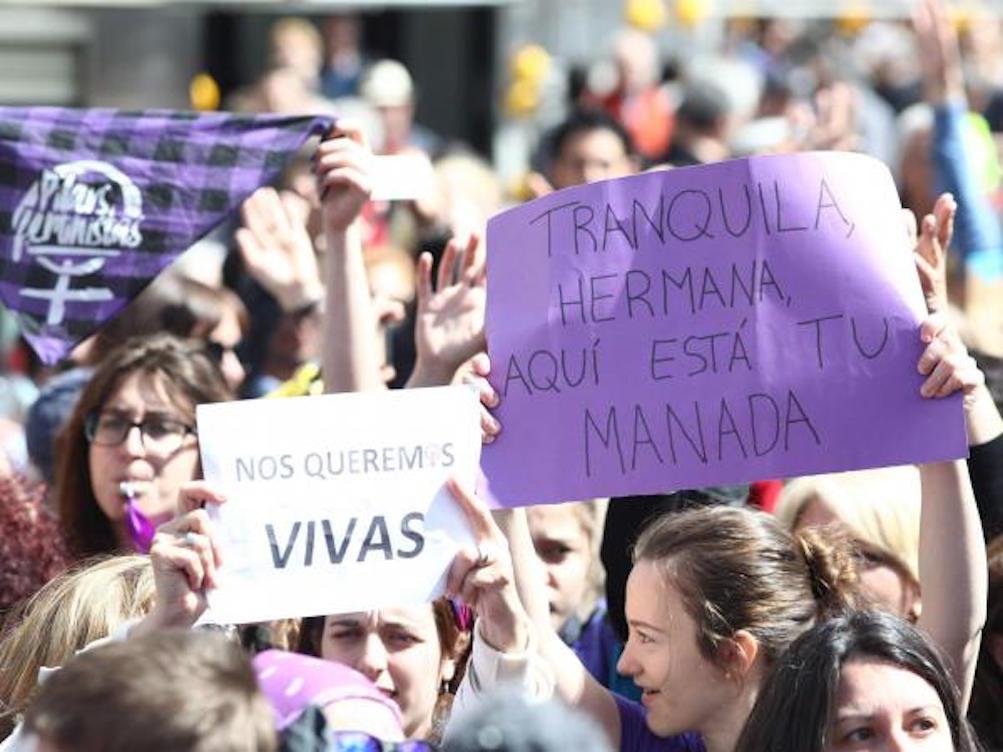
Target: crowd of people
{"points": [[851, 611]]}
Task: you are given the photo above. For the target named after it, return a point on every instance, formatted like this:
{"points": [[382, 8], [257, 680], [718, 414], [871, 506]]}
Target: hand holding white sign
{"points": [[185, 557], [483, 577], [336, 503]]}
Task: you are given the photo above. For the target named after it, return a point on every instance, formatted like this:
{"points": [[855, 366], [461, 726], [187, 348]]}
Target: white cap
{"points": [[388, 84]]}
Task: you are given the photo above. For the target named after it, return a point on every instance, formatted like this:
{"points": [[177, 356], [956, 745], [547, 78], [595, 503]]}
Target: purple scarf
{"points": [[95, 203]]}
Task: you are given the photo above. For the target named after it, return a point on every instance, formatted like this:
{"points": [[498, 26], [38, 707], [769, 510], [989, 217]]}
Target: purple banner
{"points": [[95, 203], [702, 326]]}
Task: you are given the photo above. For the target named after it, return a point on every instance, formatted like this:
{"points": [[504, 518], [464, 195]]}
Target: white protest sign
{"points": [[401, 177], [336, 503]]}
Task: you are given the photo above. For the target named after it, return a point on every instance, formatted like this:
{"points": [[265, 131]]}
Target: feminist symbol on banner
{"points": [[72, 223], [95, 203]]}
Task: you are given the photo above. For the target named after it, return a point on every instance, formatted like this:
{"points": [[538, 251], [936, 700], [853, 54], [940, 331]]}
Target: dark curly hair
{"points": [[31, 547]]}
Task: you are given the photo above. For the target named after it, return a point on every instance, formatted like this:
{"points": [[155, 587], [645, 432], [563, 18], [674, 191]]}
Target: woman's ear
{"points": [[738, 655], [452, 660], [447, 670]]}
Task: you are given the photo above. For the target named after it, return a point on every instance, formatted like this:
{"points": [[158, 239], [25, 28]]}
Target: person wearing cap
{"points": [[319, 704], [389, 89]]}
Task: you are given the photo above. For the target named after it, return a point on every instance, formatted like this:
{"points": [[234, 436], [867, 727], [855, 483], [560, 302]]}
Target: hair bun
{"points": [[832, 569]]}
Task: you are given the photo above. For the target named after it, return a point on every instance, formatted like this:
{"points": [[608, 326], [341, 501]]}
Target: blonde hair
{"points": [[470, 186], [392, 259], [880, 509], [297, 31], [590, 515], [76, 608]]}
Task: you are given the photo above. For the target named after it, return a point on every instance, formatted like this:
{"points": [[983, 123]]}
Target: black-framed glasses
{"points": [[159, 433], [217, 351], [358, 741]]}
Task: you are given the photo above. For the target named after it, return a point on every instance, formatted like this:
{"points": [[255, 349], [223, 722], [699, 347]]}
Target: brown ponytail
{"points": [[832, 569], [738, 569]]}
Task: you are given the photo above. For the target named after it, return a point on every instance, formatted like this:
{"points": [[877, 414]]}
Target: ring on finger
{"points": [[190, 539]]}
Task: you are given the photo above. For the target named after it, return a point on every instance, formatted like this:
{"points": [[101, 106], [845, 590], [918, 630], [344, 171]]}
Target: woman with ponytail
{"points": [[716, 595]]}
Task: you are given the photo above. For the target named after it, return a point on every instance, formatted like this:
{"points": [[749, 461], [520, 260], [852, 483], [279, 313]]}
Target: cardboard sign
{"points": [[700, 326], [336, 503]]}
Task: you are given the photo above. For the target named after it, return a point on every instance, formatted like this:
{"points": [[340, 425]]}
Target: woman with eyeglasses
{"points": [[131, 442]]}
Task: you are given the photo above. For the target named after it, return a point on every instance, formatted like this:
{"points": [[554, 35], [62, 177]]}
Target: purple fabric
{"points": [[597, 647], [635, 736], [95, 203], [141, 530], [292, 681]]}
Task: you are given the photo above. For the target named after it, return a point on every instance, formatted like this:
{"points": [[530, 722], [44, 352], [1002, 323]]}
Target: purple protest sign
{"points": [[701, 326], [95, 203]]}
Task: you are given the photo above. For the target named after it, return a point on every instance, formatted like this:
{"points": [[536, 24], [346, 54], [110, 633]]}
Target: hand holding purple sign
{"points": [[751, 319]]}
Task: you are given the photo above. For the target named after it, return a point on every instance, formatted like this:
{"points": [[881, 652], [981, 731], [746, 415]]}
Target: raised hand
{"points": [[185, 559], [449, 325], [935, 234], [474, 374], [939, 53], [344, 175], [483, 578], [831, 125], [277, 248], [946, 363]]}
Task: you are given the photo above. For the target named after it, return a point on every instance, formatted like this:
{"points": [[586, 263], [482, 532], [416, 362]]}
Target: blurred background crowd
{"points": [[502, 102], [482, 88]]}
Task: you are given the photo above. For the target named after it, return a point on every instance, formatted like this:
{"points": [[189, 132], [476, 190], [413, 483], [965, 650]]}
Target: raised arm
{"points": [[449, 325], [352, 360], [277, 250], [983, 421], [572, 681], [185, 558], [944, 89], [952, 556], [503, 650]]}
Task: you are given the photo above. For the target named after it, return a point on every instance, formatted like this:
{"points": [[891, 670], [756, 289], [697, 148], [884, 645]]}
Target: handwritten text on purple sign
{"points": [[751, 319]]}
